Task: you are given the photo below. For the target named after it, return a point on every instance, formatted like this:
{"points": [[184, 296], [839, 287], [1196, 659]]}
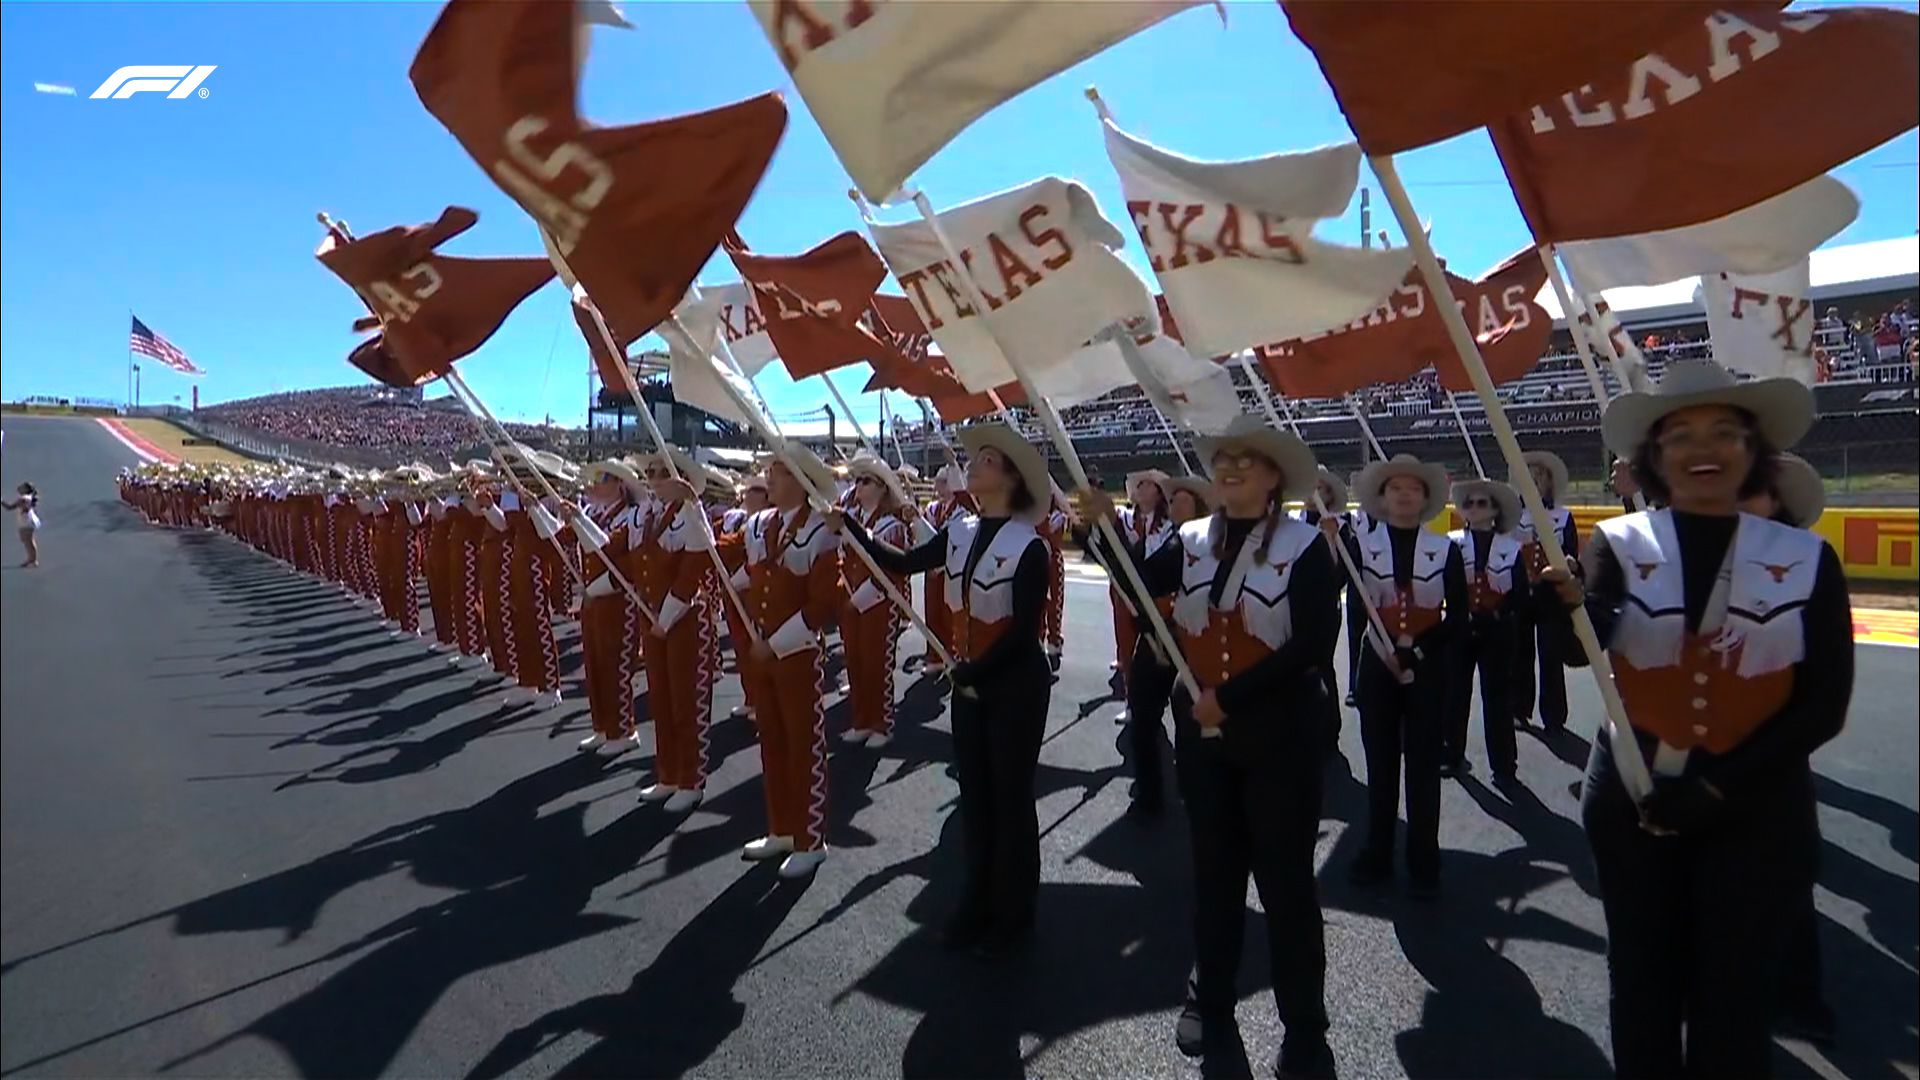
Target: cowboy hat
{"points": [[694, 473], [1197, 486], [1021, 454], [869, 465], [594, 471], [1781, 408], [757, 480], [1551, 462], [1146, 476], [953, 475], [1504, 498], [1373, 480], [1340, 488], [1295, 462], [817, 472], [1802, 494]]}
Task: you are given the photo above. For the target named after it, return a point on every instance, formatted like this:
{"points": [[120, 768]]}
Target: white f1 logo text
{"points": [[181, 79]]}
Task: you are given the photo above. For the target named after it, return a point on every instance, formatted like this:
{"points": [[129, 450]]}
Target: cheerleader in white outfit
{"points": [[27, 507]]}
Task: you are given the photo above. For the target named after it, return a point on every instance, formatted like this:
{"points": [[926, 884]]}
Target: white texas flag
{"points": [[1047, 266], [1761, 324], [1232, 243], [891, 83], [698, 374], [1767, 236]]}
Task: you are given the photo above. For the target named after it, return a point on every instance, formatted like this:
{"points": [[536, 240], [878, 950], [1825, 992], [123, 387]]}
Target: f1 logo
{"points": [[180, 79]]}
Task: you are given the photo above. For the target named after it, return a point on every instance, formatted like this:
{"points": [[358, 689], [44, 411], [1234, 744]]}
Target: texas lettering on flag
{"points": [[635, 211], [1046, 262], [1736, 106], [698, 372], [1761, 324], [810, 306], [892, 83], [431, 309], [914, 365], [1232, 243]]}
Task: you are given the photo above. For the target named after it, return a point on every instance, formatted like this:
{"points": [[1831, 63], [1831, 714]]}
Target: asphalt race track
{"points": [[244, 833]]}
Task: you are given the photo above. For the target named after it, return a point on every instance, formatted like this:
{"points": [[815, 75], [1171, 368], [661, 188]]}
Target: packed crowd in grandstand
{"points": [[1854, 347]]}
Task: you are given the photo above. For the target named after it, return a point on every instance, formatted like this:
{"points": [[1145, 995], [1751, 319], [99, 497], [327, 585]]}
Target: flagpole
{"points": [[1058, 433], [1173, 440], [130, 320], [1577, 329], [858, 431], [1626, 749], [1472, 451]]}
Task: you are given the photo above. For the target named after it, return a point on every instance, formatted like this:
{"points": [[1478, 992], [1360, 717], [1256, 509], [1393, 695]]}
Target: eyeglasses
{"points": [[1239, 459], [859, 480], [1471, 503], [657, 474]]}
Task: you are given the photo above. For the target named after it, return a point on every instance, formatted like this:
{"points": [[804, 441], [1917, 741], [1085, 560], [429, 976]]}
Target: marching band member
{"points": [[1418, 584], [438, 565], [997, 569], [470, 568], [870, 625], [529, 565], [1490, 557], [1550, 476], [493, 504], [1144, 524], [949, 498], [681, 652], [1256, 601], [1732, 644], [790, 580], [609, 622], [386, 519]]}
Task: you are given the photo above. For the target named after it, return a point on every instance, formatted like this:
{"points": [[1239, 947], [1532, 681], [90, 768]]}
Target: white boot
{"points": [[615, 747], [767, 847], [684, 800], [657, 792], [592, 742], [740, 712], [854, 736], [802, 863]]}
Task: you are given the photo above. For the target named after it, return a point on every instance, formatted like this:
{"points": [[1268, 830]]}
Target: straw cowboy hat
{"points": [[1249, 433], [1800, 490], [817, 472], [1340, 489], [617, 468], [694, 473], [1197, 486], [1503, 496], [1373, 479], [870, 465], [954, 476], [1781, 408], [1021, 454], [1549, 461], [756, 481], [1146, 476]]}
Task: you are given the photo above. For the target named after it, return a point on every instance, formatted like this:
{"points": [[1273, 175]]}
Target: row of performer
{"points": [[1725, 622]]}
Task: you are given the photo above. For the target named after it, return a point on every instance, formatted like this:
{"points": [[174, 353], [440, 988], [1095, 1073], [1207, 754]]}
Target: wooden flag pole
{"points": [[858, 431], [1626, 749], [1062, 442], [1366, 429], [1376, 626], [1472, 450]]}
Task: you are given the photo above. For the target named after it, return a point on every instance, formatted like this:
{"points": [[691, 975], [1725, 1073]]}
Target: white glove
{"points": [[591, 535], [602, 586]]}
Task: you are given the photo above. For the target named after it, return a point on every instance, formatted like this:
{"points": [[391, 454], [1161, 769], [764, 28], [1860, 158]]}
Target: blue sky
{"points": [[199, 214]]}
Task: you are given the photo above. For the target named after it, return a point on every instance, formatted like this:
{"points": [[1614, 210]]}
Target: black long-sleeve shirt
{"points": [[1313, 595], [1029, 588], [1822, 680]]}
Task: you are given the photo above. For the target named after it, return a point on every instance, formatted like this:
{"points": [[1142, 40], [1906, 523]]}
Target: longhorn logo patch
{"points": [[1779, 572], [1646, 569]]}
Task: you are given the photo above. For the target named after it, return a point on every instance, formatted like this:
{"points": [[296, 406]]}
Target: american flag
{"points": [[147, 343]]}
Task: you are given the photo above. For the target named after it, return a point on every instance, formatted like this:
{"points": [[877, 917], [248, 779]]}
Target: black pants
{"points": [[1530, 647], [1149, 688], [1695, 925], [1398, 720], [1487, 646], [996, 748], [1356, 625], [1253, 806]]}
